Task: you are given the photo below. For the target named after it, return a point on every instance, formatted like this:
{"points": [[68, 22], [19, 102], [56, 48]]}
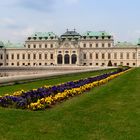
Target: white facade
{"points": [[91, 49]]}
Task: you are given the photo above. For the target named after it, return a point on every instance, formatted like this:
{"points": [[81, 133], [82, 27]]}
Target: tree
{"points": [[109, 63]]}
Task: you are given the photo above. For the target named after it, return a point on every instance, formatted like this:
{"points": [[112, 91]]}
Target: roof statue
{"points": [[1, 44]]}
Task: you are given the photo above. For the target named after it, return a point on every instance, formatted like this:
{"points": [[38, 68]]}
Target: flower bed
{"points": [[41, 98]]}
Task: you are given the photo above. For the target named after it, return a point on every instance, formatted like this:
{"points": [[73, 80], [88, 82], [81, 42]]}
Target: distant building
{"points": [[71, 48]]}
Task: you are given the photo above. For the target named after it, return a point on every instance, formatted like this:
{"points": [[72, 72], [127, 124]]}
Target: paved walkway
{"points": [[17, 78]]}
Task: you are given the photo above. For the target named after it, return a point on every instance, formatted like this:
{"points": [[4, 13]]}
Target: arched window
{"points": [[66, 59], [73, 59], [59, 59], [29, 56], [45, 55], [103, 56], [34, 56], [40, 56], [97, 56]]}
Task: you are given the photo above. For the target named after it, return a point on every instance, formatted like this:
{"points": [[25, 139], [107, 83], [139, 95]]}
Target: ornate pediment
{"points": [[68, 44]]}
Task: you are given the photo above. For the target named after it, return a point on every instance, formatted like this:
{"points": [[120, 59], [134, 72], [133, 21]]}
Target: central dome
{"points": [[70, 34]]}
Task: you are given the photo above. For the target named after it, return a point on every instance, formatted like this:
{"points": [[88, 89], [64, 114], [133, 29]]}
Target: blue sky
{"points": [[21, 18]]}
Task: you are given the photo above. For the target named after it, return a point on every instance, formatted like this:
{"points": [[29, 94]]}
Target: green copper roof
{"points": [[128, 44], [96, 34], [125, 44], [1, 44], [13, 45], [44, 34], [138, 42]]}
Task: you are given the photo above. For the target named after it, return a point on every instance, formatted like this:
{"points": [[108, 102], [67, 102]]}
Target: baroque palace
{"points": [[71, 48]]}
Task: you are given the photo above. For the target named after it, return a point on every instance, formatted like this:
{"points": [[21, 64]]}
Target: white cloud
{"points": [[17, 35], [7, 21], [24, 32], [10, 23]]}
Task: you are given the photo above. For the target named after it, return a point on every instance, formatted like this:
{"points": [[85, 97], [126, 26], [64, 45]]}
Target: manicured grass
{"points": [[50, 81], [109, 112]]}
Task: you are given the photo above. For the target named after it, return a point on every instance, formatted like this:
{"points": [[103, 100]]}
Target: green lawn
{"points": [[109, 112]]}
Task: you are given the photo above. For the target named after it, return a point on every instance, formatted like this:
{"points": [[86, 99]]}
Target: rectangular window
{"points": [[103, 56], [121, 55], [109, 45], [96, 45], [28, 46], [84, 45], [90, 55], [23, 56], [127, 55], [7, 56], [103, 45], [1, 56], [90, 45], [34, 46], [85, 56], [39, 45], [115, 55], [45, 45], [51, 45], [17, 56], [109, 56], [12, 56], [134, 55], [51, 56]]}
